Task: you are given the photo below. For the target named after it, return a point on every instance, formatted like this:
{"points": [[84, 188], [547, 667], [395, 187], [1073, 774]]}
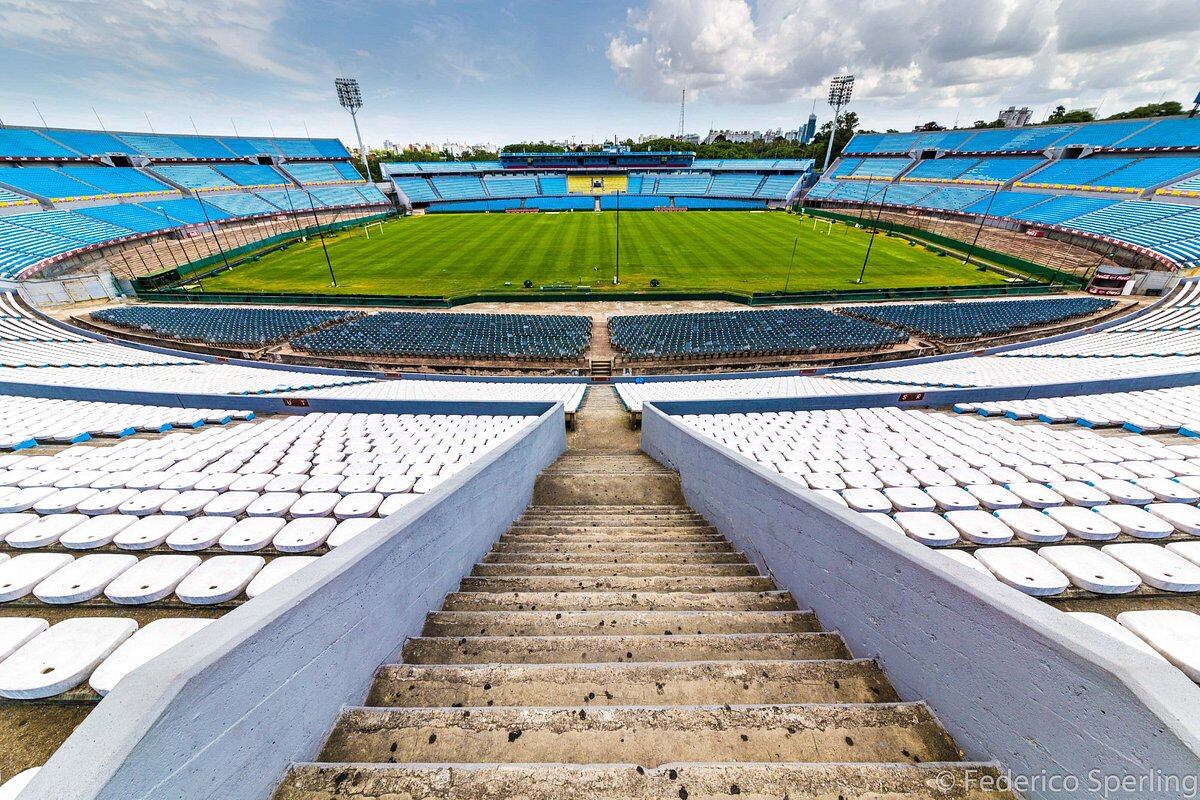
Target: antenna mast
{"points": [[682, 104]]}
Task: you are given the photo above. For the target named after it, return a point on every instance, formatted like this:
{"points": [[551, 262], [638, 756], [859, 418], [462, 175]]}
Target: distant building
{"points": [[806, 134], [1014, 117], [391, 146]]}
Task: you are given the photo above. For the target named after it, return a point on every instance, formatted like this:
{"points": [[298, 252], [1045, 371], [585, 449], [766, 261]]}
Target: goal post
{"points": [[367, 228]]}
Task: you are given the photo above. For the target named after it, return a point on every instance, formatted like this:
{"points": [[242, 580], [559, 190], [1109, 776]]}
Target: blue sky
{"points": [[436, 70]]}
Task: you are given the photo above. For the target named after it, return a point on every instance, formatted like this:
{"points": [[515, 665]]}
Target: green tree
{"points": [[996, 123], [1061, 115], [1167, 109], [532, 147]]}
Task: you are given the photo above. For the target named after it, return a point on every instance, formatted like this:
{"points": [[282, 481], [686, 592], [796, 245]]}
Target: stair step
{"points": [[886, 732], [796, 781], [645, 684], [584, 583], [619, 547], [615, 623], [619, 601], [562, 529], [609, 539], [596, 649], [615, 557], [623, 570]]}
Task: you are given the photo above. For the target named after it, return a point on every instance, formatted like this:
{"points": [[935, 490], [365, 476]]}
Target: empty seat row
{"points": [[464, 335], [979, 318], [230, 326], [722, 333]]}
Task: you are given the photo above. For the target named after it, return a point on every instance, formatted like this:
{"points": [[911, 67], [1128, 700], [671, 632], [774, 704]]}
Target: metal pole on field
{"points": [[871, 241], [321, 233], [983, 219], [212, 231], [617, 272], [792, 261], [866, 199], [171, 224]]}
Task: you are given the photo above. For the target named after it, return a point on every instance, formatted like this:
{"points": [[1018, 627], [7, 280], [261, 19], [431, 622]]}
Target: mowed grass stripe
{"points": [[450, 254]]}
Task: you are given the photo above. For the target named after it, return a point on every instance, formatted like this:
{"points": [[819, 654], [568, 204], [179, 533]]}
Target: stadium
{"points": [[601, 471]]}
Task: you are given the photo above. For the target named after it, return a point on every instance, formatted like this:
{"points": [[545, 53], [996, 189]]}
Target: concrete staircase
{"points": [[614, 645]]}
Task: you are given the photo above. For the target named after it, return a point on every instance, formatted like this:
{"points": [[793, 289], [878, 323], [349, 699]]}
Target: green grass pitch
{"points": [[453, 254]]}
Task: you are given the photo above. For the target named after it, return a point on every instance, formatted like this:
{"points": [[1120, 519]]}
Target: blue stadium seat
{"points": [[255, 175], [975, 319], [693, 185], [777, 186], [557, 184], [1166, 133], [510, 186], [90, 143], [458, 187], [735, 185], [194, 176], [516, 336], [728, 333], [46, 182], [117, 180], [127, 215], [18, 142], [225, 326], [318, 173], [418, 190], [240, 204]]}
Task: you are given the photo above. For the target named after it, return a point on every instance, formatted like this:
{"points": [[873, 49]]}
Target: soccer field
{"points": [[453, 254]]}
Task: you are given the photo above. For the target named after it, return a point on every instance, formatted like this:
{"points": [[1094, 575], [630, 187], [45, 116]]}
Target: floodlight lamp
{"points": [[349, 95], [840, 89]]}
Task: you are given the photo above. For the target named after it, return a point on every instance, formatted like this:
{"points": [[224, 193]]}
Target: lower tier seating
{"points": [[808, 330]]}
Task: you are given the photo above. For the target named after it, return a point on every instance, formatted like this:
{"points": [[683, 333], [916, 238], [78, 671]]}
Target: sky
{"points": [[519, 70]]}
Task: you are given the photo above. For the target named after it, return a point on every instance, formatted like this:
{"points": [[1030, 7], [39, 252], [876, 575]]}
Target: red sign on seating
{"points": [[909, 397], [295, 402]]}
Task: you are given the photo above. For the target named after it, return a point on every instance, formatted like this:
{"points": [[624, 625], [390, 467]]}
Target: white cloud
{"points": [[156, 36], [911, 57]]}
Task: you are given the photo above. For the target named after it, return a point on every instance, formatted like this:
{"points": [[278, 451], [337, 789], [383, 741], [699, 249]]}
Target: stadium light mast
{"points": [[350, 98], [840, 89]]}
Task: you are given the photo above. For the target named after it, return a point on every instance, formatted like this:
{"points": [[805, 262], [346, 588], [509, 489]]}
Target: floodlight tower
{"points": [[350, 98], [839, 97]]}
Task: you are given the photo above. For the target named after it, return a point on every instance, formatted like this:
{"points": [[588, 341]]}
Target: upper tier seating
{"points": [[467, 335], [127, 215], [876, 168], [1060, 209], [1136, 134], [1004, 203], [940, 169], [1166, 133], [459, 187], [777, 186], [1076, 173], [188, 211], [418, 190], [735, 185], [724, 333], [18, 143], [233, 326], [319, 173], [78, 183], [194, 176], [977, 319], [510, 186], [117, 180], [46, 182], [241, 204], [552, 185], [91, 143], [255, 175], [693, 185]]}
